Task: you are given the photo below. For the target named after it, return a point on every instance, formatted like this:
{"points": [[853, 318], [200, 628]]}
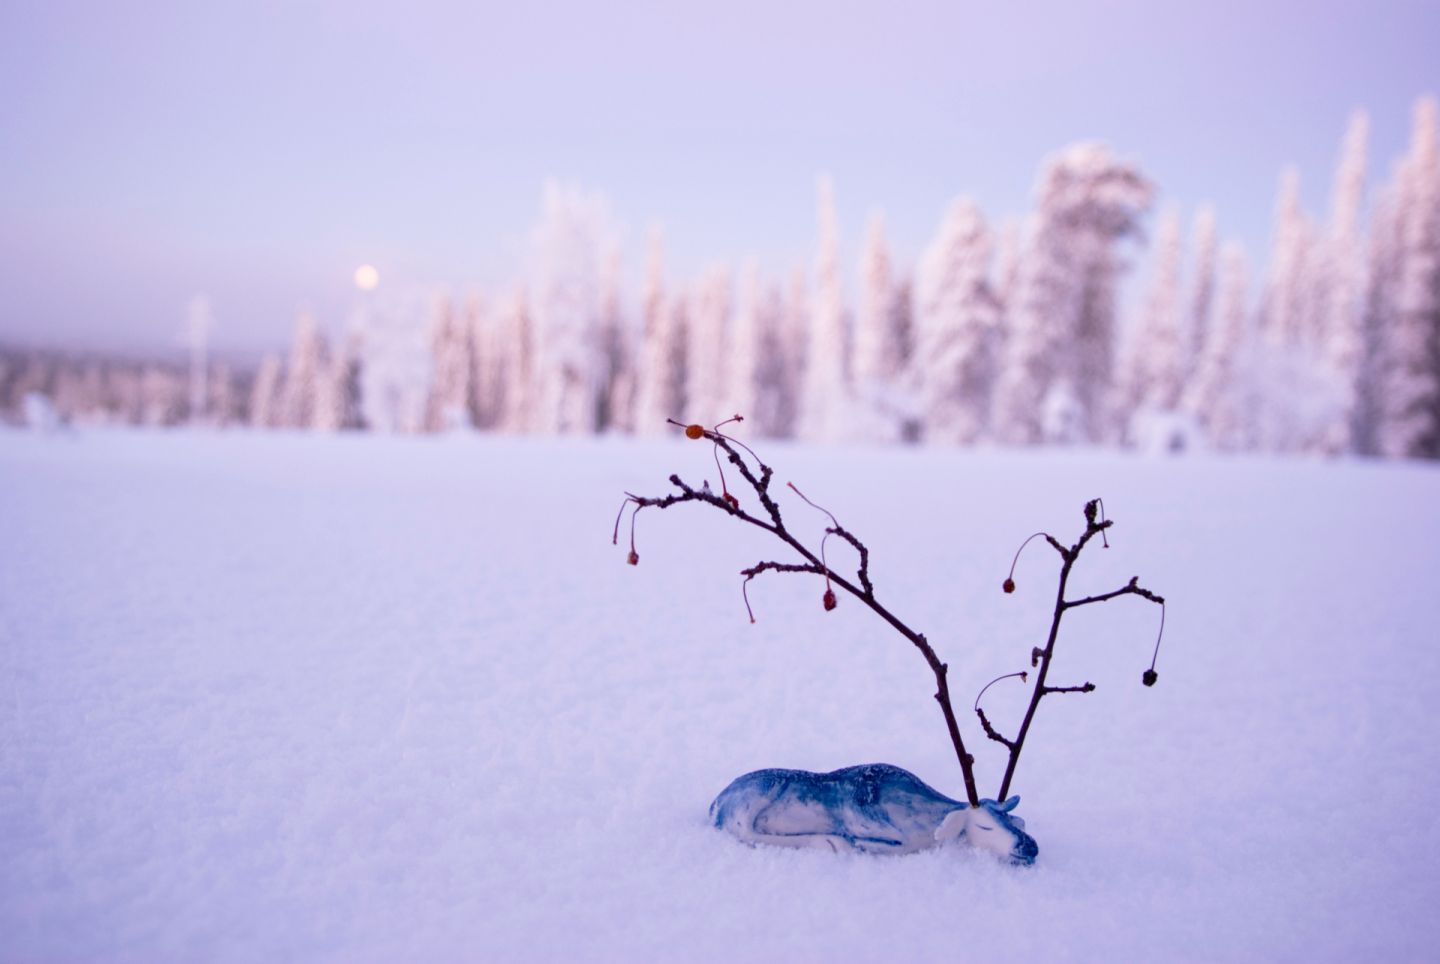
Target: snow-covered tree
{"points": [[1215, 396], [163, 393], [1382, 275], [882, 342], [617, 349], [1287, 315], [489, 359], [514, 364], [303, 375], [1410, 352], [198, 322], [1060, 330], [337, 395], [1195, 322], [570, 243], [956, 319], [450, 390], [746, 348], [709, 349], [826, 405], [265, 395], [793, 342], [1151, 373], [1342, 281], [879, 343], [774, 370], [224, 402], [1007, 262], [660, 391], [397, 363]]}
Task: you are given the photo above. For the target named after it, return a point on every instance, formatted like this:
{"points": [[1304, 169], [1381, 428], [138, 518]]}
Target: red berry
{"points": [[828, 599], [694, 431], [634, 558], [1008, 585]]}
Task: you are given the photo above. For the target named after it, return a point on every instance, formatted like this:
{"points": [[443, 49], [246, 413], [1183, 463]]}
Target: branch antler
{"points": [[759, 478]]}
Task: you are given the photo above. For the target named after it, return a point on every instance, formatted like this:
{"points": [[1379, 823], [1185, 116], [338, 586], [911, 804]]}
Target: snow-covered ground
{"points": [[270, 697]]}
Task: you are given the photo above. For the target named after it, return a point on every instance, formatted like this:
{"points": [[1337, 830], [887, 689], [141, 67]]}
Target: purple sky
{"points": [[260, 151]]}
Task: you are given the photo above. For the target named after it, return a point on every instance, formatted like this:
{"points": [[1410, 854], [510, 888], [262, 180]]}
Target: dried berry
{"points": [[1149, 677], [1008, 585], [694, 431], [634, 558], [828, 599]]}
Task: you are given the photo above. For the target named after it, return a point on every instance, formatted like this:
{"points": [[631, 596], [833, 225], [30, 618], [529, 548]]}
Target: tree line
{"points": [[1010, 334]]}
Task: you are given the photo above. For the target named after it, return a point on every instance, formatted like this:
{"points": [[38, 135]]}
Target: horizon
{"points": [[261, 161]]}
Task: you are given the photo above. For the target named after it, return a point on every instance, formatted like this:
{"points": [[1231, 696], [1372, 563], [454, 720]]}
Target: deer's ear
{"points": [[952, 826], [1010, 804]]}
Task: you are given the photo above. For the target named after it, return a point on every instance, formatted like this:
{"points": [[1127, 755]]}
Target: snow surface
{"points": [[279, 697]]}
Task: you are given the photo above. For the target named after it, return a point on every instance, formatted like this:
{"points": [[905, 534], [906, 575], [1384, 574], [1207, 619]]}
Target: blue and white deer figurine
{"points": [[876, 808]]}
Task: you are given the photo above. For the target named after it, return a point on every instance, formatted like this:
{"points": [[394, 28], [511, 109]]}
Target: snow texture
{"points": [[266, 696]]}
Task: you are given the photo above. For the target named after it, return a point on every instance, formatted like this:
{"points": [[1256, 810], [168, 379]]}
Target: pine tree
{"points": [[1151, 376], [617, 348], [342, 407], [1215, 396], [1195, 325], [569, 243], [452, 351], [882, 393], [308, 357], [397, 364], [265, 395], [1285, 317], [1410, 398], [1295, 399], [1341, 321], [825, 408], [488, 387], [956, 325], [198, 322], [1060, 332], [775, 367], [223, 403], [878, 345], [515, 366], [709, 347], [794, 348], [1382, 277], [661, 375], [746, 349]]}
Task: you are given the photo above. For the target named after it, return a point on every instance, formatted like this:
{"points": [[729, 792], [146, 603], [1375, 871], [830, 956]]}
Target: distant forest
{"points": [[1008, 335]]}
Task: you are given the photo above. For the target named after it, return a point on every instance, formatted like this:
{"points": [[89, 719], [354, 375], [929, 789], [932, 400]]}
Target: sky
{"points": [[259, 152]]}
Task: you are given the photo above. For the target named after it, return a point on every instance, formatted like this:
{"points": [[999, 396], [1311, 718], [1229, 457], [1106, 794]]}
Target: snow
{"points": [[266, 696]]}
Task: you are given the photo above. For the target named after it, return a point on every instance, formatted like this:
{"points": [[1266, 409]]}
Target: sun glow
{"points": [[366, 277]]}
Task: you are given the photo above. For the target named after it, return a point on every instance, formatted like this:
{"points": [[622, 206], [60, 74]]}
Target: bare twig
{"points": [[759, 479], [990, 731], [1085, 688], [1093, 526], [759, 476]]}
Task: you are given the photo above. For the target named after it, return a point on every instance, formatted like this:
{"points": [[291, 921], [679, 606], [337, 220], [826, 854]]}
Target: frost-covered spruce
{"points": [[874, 808]]}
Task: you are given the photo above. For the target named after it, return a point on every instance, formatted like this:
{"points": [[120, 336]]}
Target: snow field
{"points": [[288, 697]]}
